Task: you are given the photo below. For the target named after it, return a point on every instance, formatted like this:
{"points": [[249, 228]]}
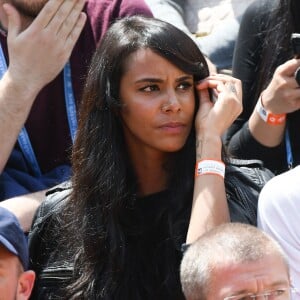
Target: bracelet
{"points": [[210, 166], [268, 117]]}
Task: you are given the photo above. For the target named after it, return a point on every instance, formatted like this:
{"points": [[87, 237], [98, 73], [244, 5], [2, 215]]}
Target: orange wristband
{"points": [[268, 117]]}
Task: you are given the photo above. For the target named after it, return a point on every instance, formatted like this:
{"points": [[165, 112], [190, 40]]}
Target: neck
{"points": [[149, 168]]}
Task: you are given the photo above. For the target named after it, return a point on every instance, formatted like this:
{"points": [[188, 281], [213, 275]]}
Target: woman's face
{"points": [[159, 103]]}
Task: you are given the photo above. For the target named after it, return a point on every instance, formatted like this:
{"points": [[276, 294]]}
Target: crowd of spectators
{"points": [[104, 113]]}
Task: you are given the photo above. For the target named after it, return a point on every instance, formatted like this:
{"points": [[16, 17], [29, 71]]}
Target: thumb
{"points": [[13, 19]]}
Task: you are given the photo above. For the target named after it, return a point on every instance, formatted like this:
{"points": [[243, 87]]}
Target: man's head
{"points": [[16, 282], [27, 8], [233, 259]]}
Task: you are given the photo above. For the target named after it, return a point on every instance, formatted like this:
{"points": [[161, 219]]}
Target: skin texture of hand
{"points": [[39, 53], [217, 117], [283, 94]]}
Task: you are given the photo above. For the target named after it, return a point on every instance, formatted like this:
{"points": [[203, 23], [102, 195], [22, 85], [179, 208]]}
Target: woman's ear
{"points": [[25, 285]]}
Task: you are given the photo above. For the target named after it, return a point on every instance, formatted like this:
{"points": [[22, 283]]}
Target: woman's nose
{"points": [[171, 103]]}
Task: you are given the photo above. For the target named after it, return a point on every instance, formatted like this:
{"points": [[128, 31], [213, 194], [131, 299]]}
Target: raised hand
{"points": [[38, 53], [216, 116], [283, 93]]}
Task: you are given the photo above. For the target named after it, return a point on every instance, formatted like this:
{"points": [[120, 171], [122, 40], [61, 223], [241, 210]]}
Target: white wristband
{"points": [[210, 166]]}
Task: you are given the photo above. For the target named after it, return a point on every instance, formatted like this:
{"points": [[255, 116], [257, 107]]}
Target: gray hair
{"points": [[231, 242]]}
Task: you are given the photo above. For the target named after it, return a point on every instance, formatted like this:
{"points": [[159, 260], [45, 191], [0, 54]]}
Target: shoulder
{"points": [[55, 198], [262, 7], [259, 11], [280, 196], [244, 180], [278, 210], [117, 8], [101, 14], [48, 258], [48, 212], [250, 172]]}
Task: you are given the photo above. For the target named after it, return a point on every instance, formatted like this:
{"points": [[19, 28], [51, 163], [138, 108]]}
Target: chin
{"points": [[172, 147]]}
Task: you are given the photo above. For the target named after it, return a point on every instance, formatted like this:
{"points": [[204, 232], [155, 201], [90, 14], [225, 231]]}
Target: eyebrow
{"points": [[158, 80], [276, 284]]}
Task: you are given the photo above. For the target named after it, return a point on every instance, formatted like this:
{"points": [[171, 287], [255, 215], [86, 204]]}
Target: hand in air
{"points": [[38, 53], [283, 93], [216, 116]]}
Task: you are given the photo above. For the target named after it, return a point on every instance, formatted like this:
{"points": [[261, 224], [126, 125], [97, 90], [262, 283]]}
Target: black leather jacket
{"points": [[53, 265]]}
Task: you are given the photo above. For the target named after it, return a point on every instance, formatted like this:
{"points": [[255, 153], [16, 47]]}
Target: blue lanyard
{"points": [[70, 101], [288, 147], [23, 138]]}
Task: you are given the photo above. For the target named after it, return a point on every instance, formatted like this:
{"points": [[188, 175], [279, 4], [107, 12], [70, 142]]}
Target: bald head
{"points": [[231, 243]]}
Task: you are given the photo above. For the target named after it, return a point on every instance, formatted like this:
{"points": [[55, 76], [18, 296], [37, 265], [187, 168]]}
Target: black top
{"points": [[246, 64], [151, 247]]}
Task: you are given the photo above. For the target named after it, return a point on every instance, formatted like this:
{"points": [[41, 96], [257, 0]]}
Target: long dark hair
{"points": [[101, 211], [283, 20]]}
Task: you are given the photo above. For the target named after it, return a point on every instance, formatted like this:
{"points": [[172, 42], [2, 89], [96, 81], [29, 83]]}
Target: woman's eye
{"points": [[150, 88], [185, 85]]}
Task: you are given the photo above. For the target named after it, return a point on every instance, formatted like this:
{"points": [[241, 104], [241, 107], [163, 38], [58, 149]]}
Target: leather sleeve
{"points": [[51, 272]]}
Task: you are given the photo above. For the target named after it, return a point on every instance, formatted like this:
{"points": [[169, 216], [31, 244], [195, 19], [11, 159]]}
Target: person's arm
{"points": [[24, 207], [280, 97], [249, 136], [209, 201], [36, 56]]}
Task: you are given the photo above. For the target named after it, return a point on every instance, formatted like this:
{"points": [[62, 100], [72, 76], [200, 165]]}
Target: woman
{"points": [[265, 63], [120, 228]]}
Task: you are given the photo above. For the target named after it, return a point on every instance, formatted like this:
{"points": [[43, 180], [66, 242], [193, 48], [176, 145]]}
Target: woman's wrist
{"points": [[208, 146], [210, 167]]}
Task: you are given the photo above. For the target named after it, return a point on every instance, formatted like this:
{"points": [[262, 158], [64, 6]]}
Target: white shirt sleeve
{"points": [[279, 216]]}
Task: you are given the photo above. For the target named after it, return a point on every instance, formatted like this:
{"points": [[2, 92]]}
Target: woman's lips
{"points": [[173, 127]]}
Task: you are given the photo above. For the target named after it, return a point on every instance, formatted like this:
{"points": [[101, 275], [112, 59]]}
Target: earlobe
{"points": [[25, 285]]}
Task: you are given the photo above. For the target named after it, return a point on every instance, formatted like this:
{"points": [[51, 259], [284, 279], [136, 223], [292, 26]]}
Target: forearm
{"points": [[266, 134], [24, 207], [37, 53], [209, 207], [15, 103]]}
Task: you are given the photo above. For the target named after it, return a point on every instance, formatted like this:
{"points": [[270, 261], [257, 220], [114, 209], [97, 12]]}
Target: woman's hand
{"points": [[213, 118], [216, 116], [283, 93]]}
